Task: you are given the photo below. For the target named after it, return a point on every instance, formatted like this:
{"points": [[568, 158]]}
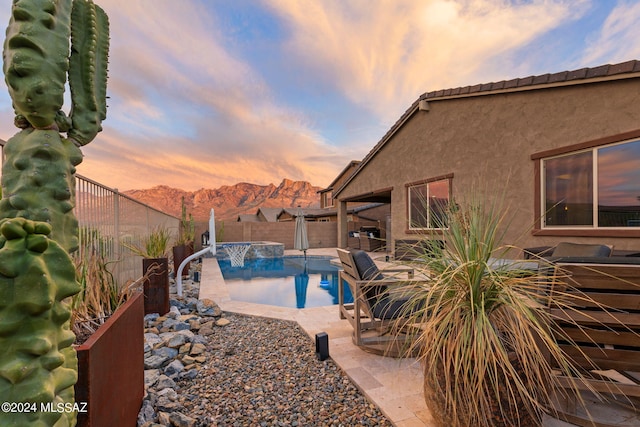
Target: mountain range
{"points": [[229, 201]]}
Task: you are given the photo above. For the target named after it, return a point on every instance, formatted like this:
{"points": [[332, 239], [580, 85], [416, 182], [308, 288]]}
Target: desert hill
{"points": [[229, 201]]}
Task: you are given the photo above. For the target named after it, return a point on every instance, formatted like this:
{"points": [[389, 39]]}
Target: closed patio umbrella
{"points": [[301, 283], [300, 239]]}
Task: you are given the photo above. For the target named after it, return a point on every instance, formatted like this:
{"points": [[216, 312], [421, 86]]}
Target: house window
{"points": [[595, 188], [327, 199], [428, 201]]}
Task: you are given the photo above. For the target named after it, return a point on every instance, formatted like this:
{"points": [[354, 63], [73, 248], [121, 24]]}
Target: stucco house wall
{"points": [[490, 138]]}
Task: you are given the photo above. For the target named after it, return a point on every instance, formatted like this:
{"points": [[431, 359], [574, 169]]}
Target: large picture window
{"points": [[594, 188], [428, 201]]}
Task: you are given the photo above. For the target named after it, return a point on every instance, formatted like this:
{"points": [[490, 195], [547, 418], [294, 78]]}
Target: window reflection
{"points": [[569, 190], [619, 185], [428, 204], [570, 187]]}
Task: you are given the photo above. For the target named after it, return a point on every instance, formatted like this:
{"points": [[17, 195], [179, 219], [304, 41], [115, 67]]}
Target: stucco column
{"points": [[342, 224]]}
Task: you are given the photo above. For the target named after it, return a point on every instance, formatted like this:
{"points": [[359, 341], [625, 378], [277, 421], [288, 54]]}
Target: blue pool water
{"points": [[286, 282]]}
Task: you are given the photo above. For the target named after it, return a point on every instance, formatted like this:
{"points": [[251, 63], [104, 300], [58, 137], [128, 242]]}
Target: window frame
{"points": [[540, 229], [327, 199], [415, 230]]}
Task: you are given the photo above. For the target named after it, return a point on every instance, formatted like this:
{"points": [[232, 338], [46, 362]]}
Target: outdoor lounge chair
{"points": [[374, 312]]}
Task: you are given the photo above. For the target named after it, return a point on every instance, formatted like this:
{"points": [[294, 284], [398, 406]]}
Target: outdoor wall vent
{"points": [[423, 105]]}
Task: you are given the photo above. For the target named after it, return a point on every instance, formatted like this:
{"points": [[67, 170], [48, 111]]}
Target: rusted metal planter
{"points": [[156, 286], [111, 368], [180, 253]]}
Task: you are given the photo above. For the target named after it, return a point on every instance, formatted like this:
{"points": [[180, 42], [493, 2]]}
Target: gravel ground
{"points": [[264, 372]]}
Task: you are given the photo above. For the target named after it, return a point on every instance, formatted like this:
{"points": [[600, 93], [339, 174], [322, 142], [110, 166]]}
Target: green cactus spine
{"points": [[38, 229]]}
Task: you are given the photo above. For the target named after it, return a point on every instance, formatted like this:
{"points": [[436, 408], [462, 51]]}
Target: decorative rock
{"points": [[180, 420], [168, 393], [165, 382], [189, 374], [147, 413], [151, 317], [206, 307], [185, 349], [188, 317], [177, 340], [166, 405], [173, 368], [206, 329], [174, 312], [167, 352], [163, 418], [151, 377], [182, 326], [197, 349], [188, 360], [155, 362], [222, 322], [169, 324], [194, 324], [199, 339]]}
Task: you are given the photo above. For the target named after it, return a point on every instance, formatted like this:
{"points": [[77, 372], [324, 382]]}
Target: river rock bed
{"points": [[204, 367]]}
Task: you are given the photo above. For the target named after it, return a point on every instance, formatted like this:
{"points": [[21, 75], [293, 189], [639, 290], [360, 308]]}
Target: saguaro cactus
{"points": [[38, 229]]}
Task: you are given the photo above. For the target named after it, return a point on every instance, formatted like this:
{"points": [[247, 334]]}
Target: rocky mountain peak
{"points": [[229, 201]]}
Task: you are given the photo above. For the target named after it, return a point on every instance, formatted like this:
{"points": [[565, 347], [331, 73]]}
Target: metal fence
{"points": [[108, 218]]}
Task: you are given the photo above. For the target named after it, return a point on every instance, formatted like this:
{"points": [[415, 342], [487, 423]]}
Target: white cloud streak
{"points": [[384, 54], [618, 39]]}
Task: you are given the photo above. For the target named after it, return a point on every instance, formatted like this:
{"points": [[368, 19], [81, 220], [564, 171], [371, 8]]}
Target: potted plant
{"points": [[184, 245], [155, 268], [108, 320], [483, 332]]}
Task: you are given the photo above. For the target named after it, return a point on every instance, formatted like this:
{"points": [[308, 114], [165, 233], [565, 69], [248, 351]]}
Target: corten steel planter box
{"points": [[156, 286], [111, 368], [180, 253]]}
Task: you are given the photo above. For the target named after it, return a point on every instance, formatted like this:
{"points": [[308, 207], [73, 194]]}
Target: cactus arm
{"points": [[36, 60], [88, 70], [37, 362]]}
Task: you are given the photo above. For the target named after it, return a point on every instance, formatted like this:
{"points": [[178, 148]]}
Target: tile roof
{"points": [[543, 79], [581, 76]]}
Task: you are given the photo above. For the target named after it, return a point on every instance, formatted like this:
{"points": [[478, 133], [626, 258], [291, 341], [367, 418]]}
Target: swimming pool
{"points": [[289, 281]]}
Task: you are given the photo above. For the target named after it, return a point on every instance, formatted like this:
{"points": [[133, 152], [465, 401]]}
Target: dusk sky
{"points": [[214, 92]]}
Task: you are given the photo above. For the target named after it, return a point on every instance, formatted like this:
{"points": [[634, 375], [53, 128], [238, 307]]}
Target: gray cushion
{"points": [[382, 305], [387, 308], [566, 249], [367, 269]]}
